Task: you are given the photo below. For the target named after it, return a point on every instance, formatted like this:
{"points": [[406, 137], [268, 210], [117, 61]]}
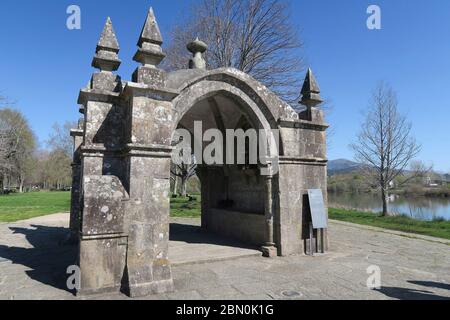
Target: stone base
{"points": [[90, 292], [269, 252], [146, 289]]}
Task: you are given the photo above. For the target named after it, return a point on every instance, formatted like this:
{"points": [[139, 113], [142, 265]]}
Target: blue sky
{"points": [[43, 64]]}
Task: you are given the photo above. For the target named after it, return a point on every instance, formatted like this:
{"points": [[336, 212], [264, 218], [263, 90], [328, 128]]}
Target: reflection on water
{"points": [[421, 208]]}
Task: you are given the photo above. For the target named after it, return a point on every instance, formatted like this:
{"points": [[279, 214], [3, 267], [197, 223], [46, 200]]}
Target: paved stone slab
{"points": [[410, 268], [189, 245]]}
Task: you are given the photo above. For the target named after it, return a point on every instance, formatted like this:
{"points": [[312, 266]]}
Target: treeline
{"points": [[351, 182], [24, 164], [356, 182]]}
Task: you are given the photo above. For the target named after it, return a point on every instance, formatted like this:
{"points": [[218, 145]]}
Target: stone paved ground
{"points": [[32, 266]]}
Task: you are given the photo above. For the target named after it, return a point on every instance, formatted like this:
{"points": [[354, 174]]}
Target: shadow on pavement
{"points": [[409, 294], [48, 256], [432, 284]]}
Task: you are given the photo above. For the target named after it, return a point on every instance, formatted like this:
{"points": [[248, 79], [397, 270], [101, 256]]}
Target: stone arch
{"points": [[270, 104], [205, 89], [264, 108]]}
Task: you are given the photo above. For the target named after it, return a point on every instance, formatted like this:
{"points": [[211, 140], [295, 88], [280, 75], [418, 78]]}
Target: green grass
{"points": [[183, 208], [15, 207], [438, 228]]}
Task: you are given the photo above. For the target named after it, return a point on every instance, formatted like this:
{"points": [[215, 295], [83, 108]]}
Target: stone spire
{"points": [[197, 48], [150, 31], [149, 53], [106, 57], [310, 91]]}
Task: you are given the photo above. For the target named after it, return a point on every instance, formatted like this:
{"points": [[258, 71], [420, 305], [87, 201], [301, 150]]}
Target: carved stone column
{"points": [[148, 270], [75, 212], [269, 249]]}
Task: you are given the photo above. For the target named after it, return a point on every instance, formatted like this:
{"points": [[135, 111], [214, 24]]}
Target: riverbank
{"points": [[424, 192], [438, 228], [18, 207], [407, 193]]}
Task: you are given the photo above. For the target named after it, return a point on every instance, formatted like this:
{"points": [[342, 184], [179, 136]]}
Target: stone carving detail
{"points": [[123, 148], [197, 48]]}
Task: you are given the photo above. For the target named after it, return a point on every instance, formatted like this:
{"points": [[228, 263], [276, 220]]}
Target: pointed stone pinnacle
{"points": [[106, 58], [150, 32], [150, 53], [108, 38], [310, 84], [310, 91]]}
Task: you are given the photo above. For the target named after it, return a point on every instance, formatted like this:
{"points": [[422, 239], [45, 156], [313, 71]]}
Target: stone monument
{"points": [[123, 148]]}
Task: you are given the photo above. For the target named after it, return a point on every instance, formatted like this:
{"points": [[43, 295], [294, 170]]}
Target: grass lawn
{"points": [[183, 208], [440, 229], [15, 207]]}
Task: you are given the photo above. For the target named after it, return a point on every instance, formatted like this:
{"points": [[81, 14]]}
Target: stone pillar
{"points": [[102, 248], [204, 176], [302, 167], [269, 249], [148, 267], [75, 208], [148, 270]]}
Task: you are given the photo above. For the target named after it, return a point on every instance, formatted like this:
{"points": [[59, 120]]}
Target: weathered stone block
{"points": [[150, 76], [102, 264], [103, 211]]}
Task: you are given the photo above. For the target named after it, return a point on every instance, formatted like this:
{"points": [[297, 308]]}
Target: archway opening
{"points": [[218, 207]]}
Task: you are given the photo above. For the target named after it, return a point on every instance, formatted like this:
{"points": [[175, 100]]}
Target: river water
{"points": [[420, 208]]}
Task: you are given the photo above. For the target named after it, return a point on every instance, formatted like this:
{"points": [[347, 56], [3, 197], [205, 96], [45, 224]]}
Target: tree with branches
{"points": [[60, 138], [385, 144], [184, 172], [17, 146], [254, 36]]}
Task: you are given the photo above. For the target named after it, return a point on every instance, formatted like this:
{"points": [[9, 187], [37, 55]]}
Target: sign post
{"points": [[319, 219]]}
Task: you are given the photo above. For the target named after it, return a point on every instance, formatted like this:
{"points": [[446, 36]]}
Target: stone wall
{"points": [[245, 227]]}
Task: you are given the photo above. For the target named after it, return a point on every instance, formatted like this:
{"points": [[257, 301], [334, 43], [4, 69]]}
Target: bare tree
{"points": [[60, 137], [254, 36], [385, 144], [17, 145], [59, 169], [184, 172], [60, 156]]}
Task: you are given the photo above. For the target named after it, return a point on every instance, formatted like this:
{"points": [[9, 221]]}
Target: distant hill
{"points": [[342, 166]]}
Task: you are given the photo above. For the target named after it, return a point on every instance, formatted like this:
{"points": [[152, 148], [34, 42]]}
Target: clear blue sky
{"points": [[43, 64]]}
